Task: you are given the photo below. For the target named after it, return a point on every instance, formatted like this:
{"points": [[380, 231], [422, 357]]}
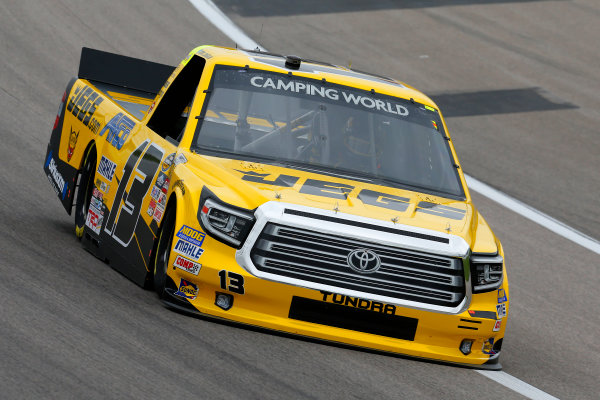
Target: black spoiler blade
{"points": [[129, 72]]}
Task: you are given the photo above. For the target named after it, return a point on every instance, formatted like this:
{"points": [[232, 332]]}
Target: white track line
{"points": [[517, 385], [225, 25]]}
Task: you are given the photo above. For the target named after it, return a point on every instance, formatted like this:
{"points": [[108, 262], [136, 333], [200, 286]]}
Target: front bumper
{"points": [[338, 316]]}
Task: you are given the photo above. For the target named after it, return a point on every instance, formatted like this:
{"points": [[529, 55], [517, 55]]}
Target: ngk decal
{"points": [[187, 265]]}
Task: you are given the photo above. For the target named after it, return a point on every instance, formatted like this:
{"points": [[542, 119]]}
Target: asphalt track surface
{"points": [[519, 82]]}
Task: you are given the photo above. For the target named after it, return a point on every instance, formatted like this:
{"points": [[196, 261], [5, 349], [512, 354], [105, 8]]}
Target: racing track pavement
{"points": [[71, 327]]}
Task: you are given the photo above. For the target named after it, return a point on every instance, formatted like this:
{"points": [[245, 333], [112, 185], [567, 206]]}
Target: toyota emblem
{"points": [[364, 261]]}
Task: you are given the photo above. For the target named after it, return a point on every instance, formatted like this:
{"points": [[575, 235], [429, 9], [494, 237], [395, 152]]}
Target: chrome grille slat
{"points": [[315, 257], [349, 244], [383, 286], [275, 251]]}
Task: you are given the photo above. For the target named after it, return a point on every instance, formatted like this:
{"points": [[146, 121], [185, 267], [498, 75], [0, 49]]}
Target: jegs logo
{"points": [[72, 143], [83, 104], [336, 190]]}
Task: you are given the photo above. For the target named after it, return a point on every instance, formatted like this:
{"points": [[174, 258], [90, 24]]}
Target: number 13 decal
{"points": [[125, 212], [231, 281]]}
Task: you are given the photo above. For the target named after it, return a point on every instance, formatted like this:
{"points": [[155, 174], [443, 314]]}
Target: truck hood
{"points": [[250, 184]]}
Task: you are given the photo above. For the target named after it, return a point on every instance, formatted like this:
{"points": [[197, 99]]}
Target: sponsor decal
{"points": [[97, 194], [165, 189], [162, 199], [117, 130], [188, 249], [106, 168], [96, 203], [83, 104], [72, 143], [359, 303], [336, 190], [102, 186], [180, 159], [167, 162], [57, 180], [497, 325], [501, 310], [488, 346], [310, 89], [187, 290], [94, 219], [502, 296], [158, 213], [165, 186], [187, 265], [191, 235], [151, 207], [155, 192], [161, 179]]}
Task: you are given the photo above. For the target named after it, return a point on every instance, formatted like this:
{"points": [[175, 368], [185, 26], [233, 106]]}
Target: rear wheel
{"points": [[84, 191], [163, 251]]}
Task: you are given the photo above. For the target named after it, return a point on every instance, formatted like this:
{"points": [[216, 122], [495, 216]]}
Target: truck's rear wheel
{"points": [[84, 191]]}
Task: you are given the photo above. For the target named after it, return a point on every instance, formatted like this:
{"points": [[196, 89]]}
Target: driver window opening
{"points": [[171, 114]]}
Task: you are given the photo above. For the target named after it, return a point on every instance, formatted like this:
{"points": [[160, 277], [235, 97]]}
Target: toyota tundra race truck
{"points": [[283, 193]]}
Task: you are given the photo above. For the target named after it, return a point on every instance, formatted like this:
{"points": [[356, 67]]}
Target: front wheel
{"points": [[84, 191], [163, 251]]}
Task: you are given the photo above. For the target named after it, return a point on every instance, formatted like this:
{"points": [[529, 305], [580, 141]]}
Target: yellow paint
{"points": [[129, 98]]}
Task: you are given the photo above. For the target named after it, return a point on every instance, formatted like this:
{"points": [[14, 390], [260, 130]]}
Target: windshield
{"points": [[255, 114]]}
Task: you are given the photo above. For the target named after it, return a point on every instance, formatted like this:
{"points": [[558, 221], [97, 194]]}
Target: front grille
{"points": [[320, 258]]}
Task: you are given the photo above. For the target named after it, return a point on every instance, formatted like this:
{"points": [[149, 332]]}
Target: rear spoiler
{"points": [[129, 72]]}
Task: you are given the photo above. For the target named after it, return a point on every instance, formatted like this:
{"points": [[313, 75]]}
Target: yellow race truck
{"points": [[283, 193]]}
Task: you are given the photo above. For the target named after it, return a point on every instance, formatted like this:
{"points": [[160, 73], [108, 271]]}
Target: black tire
{"points": [[163, 251], [84, 191]]}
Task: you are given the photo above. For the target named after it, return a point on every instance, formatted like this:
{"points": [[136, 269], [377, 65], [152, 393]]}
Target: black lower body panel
{"points": [[355, 319]]}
